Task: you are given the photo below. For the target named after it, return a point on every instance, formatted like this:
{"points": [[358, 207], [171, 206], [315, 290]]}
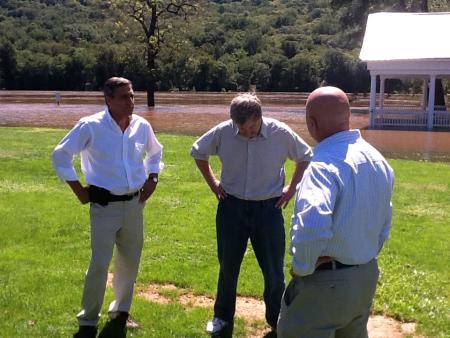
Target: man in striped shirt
{"points": [[342, 216]]}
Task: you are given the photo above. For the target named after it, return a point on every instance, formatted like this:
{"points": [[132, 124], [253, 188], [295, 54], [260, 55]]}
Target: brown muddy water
{"points": [[193, 113]]}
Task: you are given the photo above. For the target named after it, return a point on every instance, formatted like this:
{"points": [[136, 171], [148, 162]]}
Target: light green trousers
{"points": [[120, 224], [329, 303]]}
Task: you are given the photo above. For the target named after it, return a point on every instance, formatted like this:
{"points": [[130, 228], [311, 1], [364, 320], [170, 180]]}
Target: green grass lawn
{"points": [[44, 244]]}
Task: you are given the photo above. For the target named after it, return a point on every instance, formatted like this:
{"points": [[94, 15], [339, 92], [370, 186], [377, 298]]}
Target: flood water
{"points": [[194, 113]]}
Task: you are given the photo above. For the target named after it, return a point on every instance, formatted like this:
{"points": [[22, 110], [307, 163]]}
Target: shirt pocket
{"points": [[139, 150]]}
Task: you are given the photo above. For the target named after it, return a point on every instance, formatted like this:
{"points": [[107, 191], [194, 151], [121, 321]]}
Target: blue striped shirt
{"points": [[343, 205]]}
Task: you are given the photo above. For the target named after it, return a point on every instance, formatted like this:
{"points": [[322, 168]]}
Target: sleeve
{"points": [[386, 229], [299, 150], [207, 145], [153, 161], [312, 218], [73, 143]]}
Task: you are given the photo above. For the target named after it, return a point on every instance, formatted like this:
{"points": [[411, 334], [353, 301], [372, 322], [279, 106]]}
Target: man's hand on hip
{"points": [[81, 192], [83, 196], [286, 196], [147, 190], [218, 190]]}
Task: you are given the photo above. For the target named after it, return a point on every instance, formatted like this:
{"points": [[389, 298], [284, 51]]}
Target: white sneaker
{"points": [[216, 325]]}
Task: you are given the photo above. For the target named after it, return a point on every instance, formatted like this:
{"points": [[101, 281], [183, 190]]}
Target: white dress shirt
{"points": [[343, 205], [252, 168], [111, 159]]}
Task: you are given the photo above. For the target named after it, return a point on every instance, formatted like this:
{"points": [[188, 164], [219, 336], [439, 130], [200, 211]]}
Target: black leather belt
{"points": [[270, 200], [103, 196], [333, 265], [119, 198]]}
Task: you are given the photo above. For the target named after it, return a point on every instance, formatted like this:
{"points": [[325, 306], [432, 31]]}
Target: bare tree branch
{"points": [[149, 14]]}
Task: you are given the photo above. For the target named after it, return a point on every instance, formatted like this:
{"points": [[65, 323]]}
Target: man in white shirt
{"points": [[342, 216], [121, 159], [251, 192]]}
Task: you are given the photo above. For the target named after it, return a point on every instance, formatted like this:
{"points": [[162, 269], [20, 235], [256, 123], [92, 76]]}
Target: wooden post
{"points": [[424, 94], [430, 110], [373, 97], [381, 101]]}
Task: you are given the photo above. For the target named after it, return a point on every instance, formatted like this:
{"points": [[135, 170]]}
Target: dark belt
{"points": [[119, 198], [103, 196], [333, 265], [270, 200]]}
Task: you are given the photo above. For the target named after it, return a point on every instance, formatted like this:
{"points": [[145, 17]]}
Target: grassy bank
{"points": [[44, 246]]}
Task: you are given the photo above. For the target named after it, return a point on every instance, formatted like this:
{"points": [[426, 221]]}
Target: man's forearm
{"points": [[80, 191], [206, 171], [210, 178], [300, 168], [75, 186]]}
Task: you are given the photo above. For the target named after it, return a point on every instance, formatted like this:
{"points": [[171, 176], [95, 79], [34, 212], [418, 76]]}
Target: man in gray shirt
{"points": [[251, 193]]}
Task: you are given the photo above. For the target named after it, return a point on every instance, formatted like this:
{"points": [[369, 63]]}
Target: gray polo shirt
{"points": [[252, 168]]}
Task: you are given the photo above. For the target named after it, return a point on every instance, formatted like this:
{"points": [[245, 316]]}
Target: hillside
{"points": [[280, 45]]}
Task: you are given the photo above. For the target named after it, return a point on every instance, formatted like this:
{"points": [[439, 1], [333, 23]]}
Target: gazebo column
{"points": [[373, 97], [381, 100], [424, 94], [430, 110]]}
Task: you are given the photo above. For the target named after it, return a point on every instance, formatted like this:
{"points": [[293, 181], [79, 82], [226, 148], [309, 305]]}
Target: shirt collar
{"points": [[235, 128], [346, 136], [108, 116], [111, 121], [262, 132]]}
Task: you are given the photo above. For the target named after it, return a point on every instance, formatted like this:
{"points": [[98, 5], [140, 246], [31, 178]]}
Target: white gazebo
{"points": [[407, 46]]}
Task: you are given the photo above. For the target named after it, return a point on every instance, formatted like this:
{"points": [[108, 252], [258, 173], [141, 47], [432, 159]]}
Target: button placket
{"points": [[125, 142]]}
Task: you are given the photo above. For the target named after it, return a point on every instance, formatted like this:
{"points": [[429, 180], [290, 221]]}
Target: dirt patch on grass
{"points": [[251, 310]]}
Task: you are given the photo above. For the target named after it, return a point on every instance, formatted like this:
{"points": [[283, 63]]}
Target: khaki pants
{"points": [[119, 223], [329, 303]]}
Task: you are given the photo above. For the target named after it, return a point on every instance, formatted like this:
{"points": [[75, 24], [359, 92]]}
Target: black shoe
{"points": [[226, 332], [86, 332], [129, 321], [115, 328]]}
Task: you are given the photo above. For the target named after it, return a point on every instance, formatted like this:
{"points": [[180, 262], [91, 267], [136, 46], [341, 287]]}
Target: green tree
{"points": [[152, 17], [253, 43], [336, 70], [106, 66], [302, 73], [209, 74], [278, 72], [289, 48], [8, 66]]}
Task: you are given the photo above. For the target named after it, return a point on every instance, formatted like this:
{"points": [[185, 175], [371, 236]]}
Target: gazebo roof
{"points": [[406, 36]]}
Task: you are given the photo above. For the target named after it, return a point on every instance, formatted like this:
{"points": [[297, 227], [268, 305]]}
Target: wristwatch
{"points": [[154, 179]]}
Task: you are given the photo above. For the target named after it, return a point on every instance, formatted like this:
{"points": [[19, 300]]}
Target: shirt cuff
{"points": [[198, 156], [67, 174], [155, 168], [302, 269]]}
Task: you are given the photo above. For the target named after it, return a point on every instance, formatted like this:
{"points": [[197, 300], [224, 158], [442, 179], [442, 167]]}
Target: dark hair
{"points": [[112, 83], [245, 107]]}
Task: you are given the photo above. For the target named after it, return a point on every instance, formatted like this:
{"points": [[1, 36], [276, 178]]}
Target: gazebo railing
{"points": [[441, 119], [399, 116], [409, 117]]}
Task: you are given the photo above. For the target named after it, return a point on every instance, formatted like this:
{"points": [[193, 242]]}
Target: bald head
{"points": [[327, 112]]}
